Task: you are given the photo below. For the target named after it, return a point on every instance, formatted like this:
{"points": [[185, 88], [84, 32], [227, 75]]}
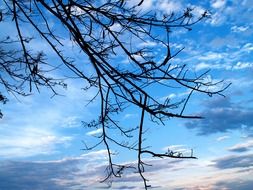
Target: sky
{"points": [[41, 137]]}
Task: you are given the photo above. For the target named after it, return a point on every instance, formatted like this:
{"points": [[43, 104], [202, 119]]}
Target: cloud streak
{"points": [[242, 147], [234, 161], [221, 115], [94, 132]]}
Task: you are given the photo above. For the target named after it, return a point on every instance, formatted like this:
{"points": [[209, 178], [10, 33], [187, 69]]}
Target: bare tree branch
{"points": [[105, 32]]}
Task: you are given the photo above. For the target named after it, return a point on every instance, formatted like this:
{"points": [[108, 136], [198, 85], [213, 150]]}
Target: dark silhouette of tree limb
{"points": [[105, 32]]}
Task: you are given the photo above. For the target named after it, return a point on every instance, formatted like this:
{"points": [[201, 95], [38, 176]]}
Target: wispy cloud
{"points": [[222, 138], [170, 96], [94, 132], [221, 115], [242, 65], [130, 115], [30, 141], [242, 147], [234, 161], [239, 28], [71, 122], [148, 44]]}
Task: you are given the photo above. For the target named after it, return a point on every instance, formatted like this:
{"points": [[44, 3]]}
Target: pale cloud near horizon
{"points": [[163, 174]]}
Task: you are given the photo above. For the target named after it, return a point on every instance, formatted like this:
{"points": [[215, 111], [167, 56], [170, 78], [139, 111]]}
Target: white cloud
{"points": [[198, 11], [205, 66], [147, 44], [170, 96], [29, 141], [96, 155], [173, 147], [223, 60], [210, 56], [202, 66], [116, 27], [217, 4], [222, 138], [175, 95], [71, 122], [242, 82], [147, 4], [129, 115], [94, 132], [242, 65], [248, 47], [75, 10], [169, 6], [217, 19], [176, 45], [239, 28]]}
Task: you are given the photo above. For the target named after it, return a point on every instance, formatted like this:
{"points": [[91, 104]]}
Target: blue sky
{"points": [[41, 137]]}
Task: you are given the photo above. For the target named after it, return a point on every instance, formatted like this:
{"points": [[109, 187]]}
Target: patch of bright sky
{"points": [[42, 128]]}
